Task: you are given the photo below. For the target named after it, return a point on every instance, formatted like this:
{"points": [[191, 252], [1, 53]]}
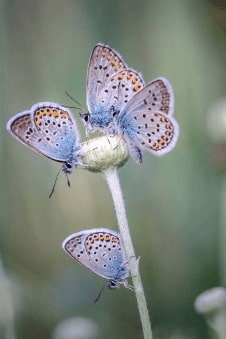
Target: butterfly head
{"points": [[68, 167], [98, 121], [113, 284]]}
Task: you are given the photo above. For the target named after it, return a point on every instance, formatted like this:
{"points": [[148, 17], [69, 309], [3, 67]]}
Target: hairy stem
{"points": [[111, 176]]}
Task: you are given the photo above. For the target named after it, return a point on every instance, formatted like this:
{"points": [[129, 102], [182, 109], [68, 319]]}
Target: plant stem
{"points": [[222, 234], [111, 176], [220, 325]]}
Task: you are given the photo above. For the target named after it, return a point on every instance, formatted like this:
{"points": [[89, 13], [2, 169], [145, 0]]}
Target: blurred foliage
{"points": [[173, 203]]}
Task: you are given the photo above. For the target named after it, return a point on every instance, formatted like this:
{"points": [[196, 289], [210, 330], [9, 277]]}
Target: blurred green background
{"points": [[173, 203]]}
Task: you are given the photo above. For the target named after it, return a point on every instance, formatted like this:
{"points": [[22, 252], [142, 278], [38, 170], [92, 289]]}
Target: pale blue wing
{"points": [[146, 122], [103, 64], [156, 132], [57, 127], [23, 128], [156, 96], [114, 96], [100, 251]]}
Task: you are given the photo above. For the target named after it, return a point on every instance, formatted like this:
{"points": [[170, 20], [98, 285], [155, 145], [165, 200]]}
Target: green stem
{"points": [[222, 234], [111, 176]]}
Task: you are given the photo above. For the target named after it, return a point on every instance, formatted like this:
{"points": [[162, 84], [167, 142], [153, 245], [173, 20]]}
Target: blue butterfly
{"points": [[120, 103], [49, 129], [100, 250]]}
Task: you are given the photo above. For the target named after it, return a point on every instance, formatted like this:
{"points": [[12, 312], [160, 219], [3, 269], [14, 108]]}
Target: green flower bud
{"points": [[104, 152]]}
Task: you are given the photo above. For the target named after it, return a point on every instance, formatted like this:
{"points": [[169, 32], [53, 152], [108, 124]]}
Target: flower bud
{"points": [[210, 301], [104, 152]]}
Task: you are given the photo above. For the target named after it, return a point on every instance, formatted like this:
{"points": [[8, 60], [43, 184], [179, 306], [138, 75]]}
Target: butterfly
{"points": [[100, 250], [49, 129], [119, 102]]}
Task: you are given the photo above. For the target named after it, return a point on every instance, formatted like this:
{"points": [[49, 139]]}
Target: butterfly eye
{"points": [[85, 117], [113, 112], [113, 284], [67, 168]]}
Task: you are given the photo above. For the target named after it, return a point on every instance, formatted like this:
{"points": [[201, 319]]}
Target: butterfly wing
{"points": [[103, 64], [156, 132], [120, 89], [147, 122], [100, 251], [156, 96], [56, 125], [23, 128]]}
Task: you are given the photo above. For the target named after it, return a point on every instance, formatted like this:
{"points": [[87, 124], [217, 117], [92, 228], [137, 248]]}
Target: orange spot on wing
{"points": [[107, 237], [121, 76], [136, 88], [114, 239]]}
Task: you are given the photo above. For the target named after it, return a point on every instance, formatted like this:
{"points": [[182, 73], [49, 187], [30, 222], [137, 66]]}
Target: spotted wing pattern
{"points": [[100, 251], [57, 126], [104, 63], [110, 85], [48, 129], [146, 121]]}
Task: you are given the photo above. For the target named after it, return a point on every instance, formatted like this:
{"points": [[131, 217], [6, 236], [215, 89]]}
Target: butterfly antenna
{"points": [[99, 295], [71, 97], [68, 181], [73, 100], [54, 184], [78, 103]]}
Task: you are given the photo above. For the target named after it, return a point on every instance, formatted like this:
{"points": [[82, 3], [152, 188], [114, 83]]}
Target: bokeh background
{"points": [[174, 203]]}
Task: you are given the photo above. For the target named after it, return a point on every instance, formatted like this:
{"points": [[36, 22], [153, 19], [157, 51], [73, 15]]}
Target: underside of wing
{"points": [[156, 96], [57, 127], [103, 64], [100, 251], [22, 128], [119, 90], [156, 132]]}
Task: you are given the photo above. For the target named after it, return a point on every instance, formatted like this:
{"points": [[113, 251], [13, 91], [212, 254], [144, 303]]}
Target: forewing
{"points": [[156, 96], [103, 64], [119, 90], [93, 250], [22, 128], [57, 127], [106, 253]]}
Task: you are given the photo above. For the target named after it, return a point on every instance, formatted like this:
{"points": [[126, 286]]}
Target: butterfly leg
{"points": [[135, 152]]}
